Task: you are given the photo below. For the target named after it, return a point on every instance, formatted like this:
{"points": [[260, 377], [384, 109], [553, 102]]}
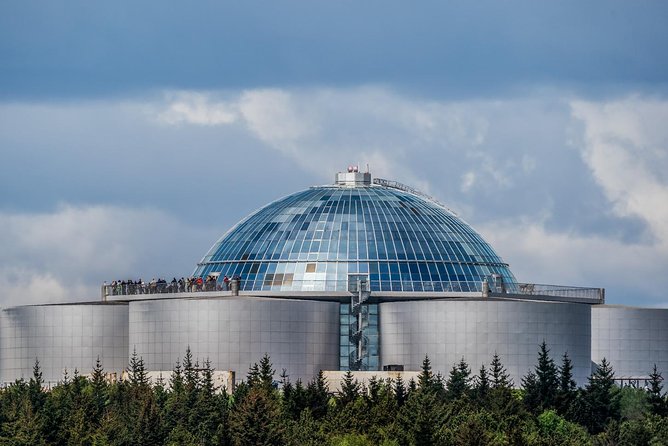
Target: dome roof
{"points": [[313, 239]]}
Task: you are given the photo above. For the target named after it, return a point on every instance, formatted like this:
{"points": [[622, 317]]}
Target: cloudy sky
{"points": [[133, 134]]}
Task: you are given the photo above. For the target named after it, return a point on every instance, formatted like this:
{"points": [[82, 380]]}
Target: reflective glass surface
{"points": [[312, 240]]}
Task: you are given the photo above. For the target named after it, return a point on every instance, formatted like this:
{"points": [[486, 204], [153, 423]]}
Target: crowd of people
{"points": [[183, 285]]}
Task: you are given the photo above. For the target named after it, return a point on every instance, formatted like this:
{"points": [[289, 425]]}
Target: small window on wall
{"points": [[310, 267]]}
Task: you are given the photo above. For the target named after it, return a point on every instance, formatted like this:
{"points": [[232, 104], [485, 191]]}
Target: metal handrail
{"points": [[536, 289], [588, 294]]}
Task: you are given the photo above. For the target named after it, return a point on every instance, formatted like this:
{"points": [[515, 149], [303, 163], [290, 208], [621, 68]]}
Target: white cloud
{"points": [[65, 255], [629, 272], [322, 128], [196, 108], [626, 148]]}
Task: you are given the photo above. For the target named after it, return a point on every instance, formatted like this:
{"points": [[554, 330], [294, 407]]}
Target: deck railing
{"points": [[583, 294]]}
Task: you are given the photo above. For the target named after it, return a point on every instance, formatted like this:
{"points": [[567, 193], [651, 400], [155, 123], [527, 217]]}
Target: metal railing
{"points": [[592, 295], [291, 285], [596, 295], [134, 289]]}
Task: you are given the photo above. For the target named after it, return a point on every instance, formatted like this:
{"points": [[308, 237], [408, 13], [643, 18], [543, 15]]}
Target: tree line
{"points": [[462, 408]]}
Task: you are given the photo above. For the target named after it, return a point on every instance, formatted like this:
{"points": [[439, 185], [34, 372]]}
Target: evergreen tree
{"points": [[482, 386], [253, 378], [567, 388], [137, 371], [412, 386], [305, 432], [541, 388], [207, 416], [191, 384], [98, 392], [292, 405], [500, 377], [426, 378], [421, 417], [457, 385], [531, 393], [382, 412], [400, 392], [317, 396], [176, 409], [266, 373], [35, 392], [23, 427], [547, 378], [373, 390], [256, 421], [600, 402], [655, 395], [190, 376], [350, 389]]}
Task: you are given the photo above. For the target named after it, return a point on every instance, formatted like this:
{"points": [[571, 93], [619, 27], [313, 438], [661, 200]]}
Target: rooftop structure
{"points": [[314, 239]]}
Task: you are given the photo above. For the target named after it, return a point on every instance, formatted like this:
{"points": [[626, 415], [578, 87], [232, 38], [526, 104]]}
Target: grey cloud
{"points": [[202, 160], [66, 254]]}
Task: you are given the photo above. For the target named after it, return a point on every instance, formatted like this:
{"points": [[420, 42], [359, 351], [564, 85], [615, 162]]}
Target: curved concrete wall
{"points": [[448, 330], [632, 339], [62, 337], [235, 332]]}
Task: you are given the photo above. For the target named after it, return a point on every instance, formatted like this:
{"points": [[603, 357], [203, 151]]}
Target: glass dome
{"points": [[314, 239]]}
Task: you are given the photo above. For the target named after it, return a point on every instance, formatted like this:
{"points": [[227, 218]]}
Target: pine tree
{"points": [[266, 373], [457, 385], [191, 385], [600, 400], [421, 417], [137, 371], [176, 410], [256, 421], [253, 378], [400, 392], [500, 377], [655, 396], [531, 398], [426, 377], [350, 389], [412, 386], [546, 379], [373, 389], [317, 396], [99, 392], [567, 388], [482, 385], [35, 391], [190, 375], [207, 414], [176, 380]]}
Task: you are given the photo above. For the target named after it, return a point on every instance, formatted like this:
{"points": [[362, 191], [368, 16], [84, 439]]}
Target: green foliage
{"points": [[350, 389], [552, 429], [190, 410], [542, 385], [317, 396], [482, 386], [633, 404], [655, 397], [567, 391], [457, 385], [137, 371], [600, 400], [500, 377], [257, 420]]}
